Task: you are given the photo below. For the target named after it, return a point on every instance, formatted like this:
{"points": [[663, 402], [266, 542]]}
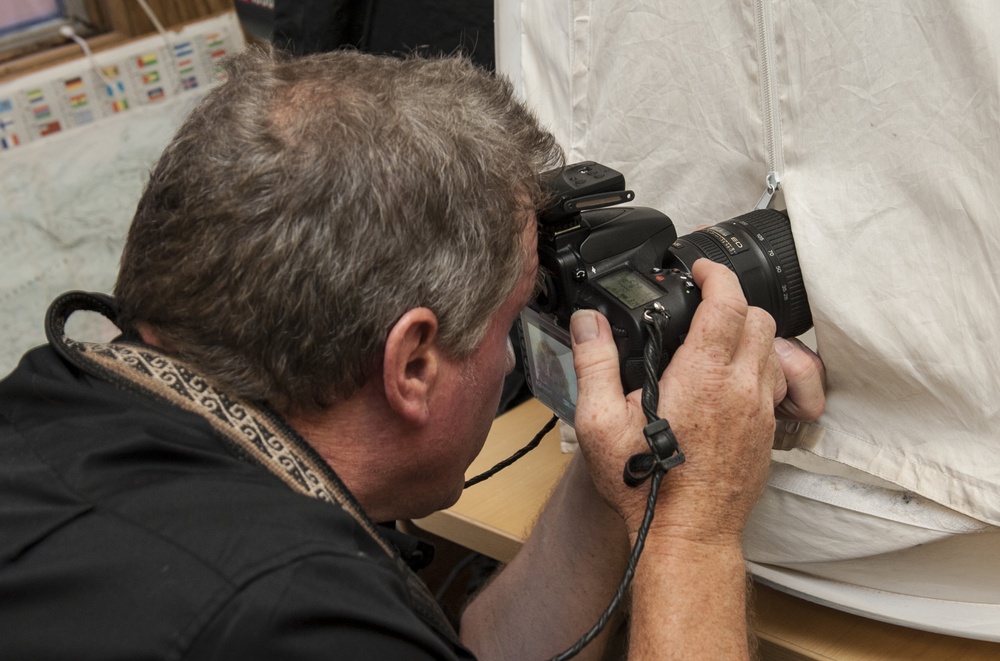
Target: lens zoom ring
{"points": [[776, 229]]}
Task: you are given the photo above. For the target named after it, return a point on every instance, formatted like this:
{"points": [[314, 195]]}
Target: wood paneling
{"points": [[128, 18]]}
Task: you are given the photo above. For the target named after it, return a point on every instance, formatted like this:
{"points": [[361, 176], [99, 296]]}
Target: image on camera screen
{"points": [[550, 364]]}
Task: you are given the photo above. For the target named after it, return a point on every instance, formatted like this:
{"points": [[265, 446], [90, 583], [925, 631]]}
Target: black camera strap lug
{"points": [[665, 454]]}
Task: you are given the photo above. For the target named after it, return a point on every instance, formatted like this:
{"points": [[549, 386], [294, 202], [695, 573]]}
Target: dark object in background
{"points": [[388, 27], [256, 17]]}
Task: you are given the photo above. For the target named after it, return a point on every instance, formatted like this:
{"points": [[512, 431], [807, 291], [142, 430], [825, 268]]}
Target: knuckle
{"points": [[730, 305], [815, 409], [596, 368], [762, 319]]}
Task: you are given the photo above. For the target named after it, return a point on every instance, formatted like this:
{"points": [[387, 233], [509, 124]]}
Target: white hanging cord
{"points": [[156, 21], [166, 40], [68, 32]]}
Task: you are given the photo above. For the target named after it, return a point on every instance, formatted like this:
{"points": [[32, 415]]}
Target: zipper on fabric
{"points": [[764, 24]]}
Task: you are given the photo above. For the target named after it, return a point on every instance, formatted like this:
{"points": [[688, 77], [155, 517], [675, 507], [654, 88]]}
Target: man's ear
{"points": [[411, 363]]}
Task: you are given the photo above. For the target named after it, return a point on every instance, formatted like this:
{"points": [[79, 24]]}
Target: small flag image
{"points": [[74, 84], [9, 141], [151, 77], [42, 112], [214, 39], [6, 105], [216, 54], [6, 124], [35, 96], [83, 117], [119, 105], [50, 128], [183, 50], [155, 94], [78, 101], [111, 71], [119, 87], [147, 60], [190, 82]]}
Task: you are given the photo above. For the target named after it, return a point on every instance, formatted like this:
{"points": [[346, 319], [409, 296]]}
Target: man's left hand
{"points": [[801, 394]]}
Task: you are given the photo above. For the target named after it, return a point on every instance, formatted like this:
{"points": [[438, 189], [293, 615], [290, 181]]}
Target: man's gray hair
{"points": [[307, 203]]}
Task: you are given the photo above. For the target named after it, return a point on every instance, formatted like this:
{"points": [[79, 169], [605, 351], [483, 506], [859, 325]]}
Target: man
{"points": [[315, 296]]}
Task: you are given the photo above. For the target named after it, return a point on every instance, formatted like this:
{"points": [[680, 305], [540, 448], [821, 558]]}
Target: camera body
{"points": [[626, 261]]}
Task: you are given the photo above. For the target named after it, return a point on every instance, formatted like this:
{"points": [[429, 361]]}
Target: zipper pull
{"points": [[773, 186]]}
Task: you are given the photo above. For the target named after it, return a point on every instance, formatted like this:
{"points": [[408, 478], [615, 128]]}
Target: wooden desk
{"points": [[494, 518]]}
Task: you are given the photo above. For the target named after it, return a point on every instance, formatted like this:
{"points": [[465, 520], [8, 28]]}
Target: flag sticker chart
{"points": [[10, 125], [148, 71]]}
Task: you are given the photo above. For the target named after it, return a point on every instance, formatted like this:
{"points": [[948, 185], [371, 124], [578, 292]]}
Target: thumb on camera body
{"points": [[608, 424]]}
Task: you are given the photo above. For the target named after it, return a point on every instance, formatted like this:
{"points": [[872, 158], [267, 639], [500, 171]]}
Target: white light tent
{"points": [[881, 118]]}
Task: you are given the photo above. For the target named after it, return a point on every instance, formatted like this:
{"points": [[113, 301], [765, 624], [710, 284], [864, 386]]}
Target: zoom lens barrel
{"points": [[759, 248]]}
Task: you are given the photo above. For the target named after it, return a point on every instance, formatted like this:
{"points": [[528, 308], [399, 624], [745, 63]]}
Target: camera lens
{"points": [[759, 248]]}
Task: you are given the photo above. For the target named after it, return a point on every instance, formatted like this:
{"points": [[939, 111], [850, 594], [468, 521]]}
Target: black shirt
{"points": [[130, 529]]}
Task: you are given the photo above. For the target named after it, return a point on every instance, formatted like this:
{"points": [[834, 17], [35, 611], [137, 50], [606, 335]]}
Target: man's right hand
{"points": [[718, 395]]}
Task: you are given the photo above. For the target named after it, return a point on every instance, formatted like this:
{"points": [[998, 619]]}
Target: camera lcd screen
{"points": [[630, 288], [550, 364]]}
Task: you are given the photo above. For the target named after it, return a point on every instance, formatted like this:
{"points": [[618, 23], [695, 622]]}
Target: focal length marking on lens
{"points": [[731, 243]]}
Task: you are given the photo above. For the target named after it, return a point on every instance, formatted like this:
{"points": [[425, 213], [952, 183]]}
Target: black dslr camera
{"points": [[623, 261]]}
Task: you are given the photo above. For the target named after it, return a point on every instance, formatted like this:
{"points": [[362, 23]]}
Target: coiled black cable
{"points": [[514, 457]]}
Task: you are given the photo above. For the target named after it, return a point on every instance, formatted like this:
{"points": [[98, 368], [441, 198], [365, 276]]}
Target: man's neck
{"points": [[352, 437]]}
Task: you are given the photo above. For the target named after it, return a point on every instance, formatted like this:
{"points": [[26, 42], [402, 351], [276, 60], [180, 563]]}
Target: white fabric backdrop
{"points": [[890, 126]]}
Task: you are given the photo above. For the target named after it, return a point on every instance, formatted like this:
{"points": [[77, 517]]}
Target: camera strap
{"points": [[664, 452]]}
